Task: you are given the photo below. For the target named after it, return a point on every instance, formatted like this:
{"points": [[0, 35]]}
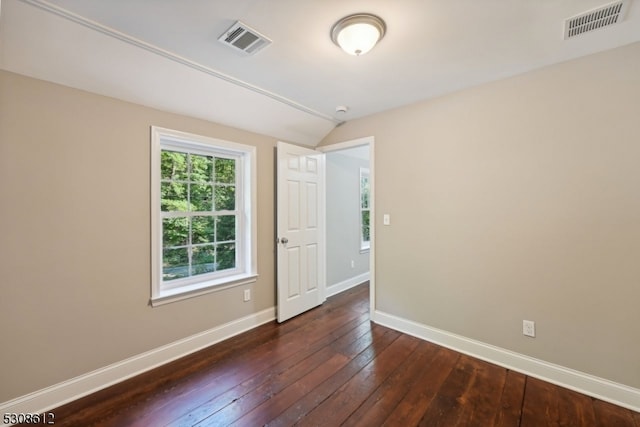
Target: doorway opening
{"points": [[350, 216]]}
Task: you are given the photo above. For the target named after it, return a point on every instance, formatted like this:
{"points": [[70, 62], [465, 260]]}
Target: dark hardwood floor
{"points": [[330, 367]]}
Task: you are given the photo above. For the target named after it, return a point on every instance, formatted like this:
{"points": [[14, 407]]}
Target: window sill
{"points": [[178, 294]]}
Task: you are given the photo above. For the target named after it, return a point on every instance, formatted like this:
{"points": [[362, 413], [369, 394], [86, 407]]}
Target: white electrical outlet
{"points": [[386, 219], [529, 328], [247, 295], [353, 264]]}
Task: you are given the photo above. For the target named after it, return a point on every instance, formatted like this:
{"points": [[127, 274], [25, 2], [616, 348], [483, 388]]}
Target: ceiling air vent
{"points": [[244, 38], [603, 16]]}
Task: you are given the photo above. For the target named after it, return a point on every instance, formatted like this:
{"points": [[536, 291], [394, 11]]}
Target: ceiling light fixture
{"points": [[357, 34]]}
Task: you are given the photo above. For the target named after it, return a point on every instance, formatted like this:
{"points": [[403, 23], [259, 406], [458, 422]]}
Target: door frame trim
{"points": [[359, 142]]}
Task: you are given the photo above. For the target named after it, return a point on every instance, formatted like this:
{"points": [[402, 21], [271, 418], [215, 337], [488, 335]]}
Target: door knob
{"points": [[284, 240]]}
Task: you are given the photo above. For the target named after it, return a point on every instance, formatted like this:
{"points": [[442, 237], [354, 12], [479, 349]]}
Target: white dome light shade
{"points": [[358, 34], [358, 39]]}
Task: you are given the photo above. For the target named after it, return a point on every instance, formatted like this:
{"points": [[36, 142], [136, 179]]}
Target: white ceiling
{"points": [[165, 53]]}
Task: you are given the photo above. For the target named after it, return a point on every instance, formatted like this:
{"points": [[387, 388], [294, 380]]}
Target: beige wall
{"points": [[518, 199], [75, 235]]}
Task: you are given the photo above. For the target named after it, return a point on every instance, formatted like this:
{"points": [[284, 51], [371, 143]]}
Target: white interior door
{"points": [[300, 230]]}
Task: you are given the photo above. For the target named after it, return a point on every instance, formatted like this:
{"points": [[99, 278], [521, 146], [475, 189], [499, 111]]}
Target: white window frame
{"points": [[364, 245], [246, 231]]}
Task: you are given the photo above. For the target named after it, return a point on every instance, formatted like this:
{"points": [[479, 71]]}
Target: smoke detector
{"points": [[244, 39], [591, 20]]}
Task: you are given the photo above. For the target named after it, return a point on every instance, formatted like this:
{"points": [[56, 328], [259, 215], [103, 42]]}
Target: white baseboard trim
{"points": [[75, 388], [346, 284], [600, 388]]}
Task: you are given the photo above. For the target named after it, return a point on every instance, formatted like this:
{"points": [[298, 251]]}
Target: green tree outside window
{"points": [[198, 203]]}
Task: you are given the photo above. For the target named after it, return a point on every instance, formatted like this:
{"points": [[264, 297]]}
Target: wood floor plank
{"points": [[609, 415], [546, 404], [317, 379], [343, 402], [410, 410], [510, 409], [283, 375], [312, 398], [383, 401], [470, 396], [343, 352]]}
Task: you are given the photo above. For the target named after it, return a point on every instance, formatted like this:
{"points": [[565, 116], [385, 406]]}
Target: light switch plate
{"points": [[386, 219]]}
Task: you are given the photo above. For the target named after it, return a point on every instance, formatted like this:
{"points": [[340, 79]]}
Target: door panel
{"points": [[312, 267], [312, 206], [293, 263], [293, 194], [300, 229]]}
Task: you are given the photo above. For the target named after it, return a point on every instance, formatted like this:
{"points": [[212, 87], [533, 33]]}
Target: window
{"points": [[203, 215], [365, 240]]}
